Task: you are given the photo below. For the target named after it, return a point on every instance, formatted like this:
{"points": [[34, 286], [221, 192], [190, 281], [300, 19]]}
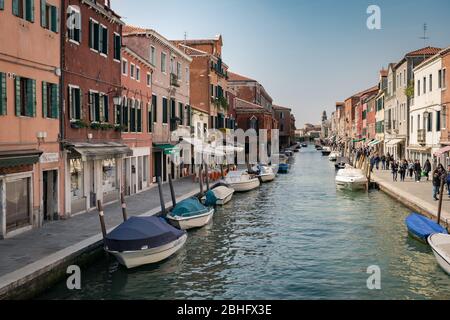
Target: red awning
{"points": [[442, 151]]}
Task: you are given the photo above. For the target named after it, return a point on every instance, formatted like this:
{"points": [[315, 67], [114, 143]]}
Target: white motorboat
{"points": [[144, 240], [223, 194], [351, 178], [189, 214], [440, 244], [326, 151], [242, 181], [266, 173], [333, 156]]}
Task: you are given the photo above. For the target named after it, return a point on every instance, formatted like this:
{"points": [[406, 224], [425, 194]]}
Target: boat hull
{"points": [[133, 259], [353, 186], [421, 227], [245, 185], [186, 223], [326, 153], [267, 177], [441, 255], [224, 201]]}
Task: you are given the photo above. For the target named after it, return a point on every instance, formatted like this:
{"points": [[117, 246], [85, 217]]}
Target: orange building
{"points": [[134, 115], [31, 170]]}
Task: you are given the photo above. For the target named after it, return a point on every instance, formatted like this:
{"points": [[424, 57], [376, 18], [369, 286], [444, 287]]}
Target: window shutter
{"points": [[18, 96], [15, 7], [43, 15], [55, 101], [55, 19], [79, 104], [44, 99], [97, 106], [3, 104], [30, 10], [91, 33], [91, 106], [71, 103], [2, 4], [31, 94], [106, 106], [100, 38], [104, 48]]}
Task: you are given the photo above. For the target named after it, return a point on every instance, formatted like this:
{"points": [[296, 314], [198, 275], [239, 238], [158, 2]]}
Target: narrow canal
{"points": [[295, 238]]}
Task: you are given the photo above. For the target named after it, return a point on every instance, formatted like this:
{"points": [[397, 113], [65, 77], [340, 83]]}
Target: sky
{"points": [[306, 54]]}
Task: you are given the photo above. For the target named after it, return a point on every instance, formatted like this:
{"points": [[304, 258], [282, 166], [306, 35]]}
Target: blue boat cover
{"points": [[283, 167], [188, 208], [211, 199], [138, 232], [422, 227]]}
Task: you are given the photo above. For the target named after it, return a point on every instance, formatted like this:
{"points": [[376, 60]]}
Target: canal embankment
{"points": [[35, 260], [415, 196]]}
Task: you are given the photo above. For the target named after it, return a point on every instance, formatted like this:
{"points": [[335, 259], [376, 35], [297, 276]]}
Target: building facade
{"points": [[31, 170], [283, 116]]}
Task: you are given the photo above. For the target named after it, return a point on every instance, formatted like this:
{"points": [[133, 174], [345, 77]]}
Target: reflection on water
{"points": [[295, 238]]}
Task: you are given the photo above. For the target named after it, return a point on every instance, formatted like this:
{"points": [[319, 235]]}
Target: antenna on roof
{"points": [[185, 41], [425, 37]]}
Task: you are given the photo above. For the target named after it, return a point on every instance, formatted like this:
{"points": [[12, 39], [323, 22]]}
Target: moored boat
{"points": [[283, 168], [242, 181], [266, 173], [440, 245], [326, 151], [190, 213], [144, 240], [421, 227], [333, 156], [223, 193], [304, 145], [351, 178]]}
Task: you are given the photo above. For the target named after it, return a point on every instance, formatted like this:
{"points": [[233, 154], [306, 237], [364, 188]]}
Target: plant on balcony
{"points": [[95, 125], [106, 126], [221, 102], [119, 127], [78, 124]]}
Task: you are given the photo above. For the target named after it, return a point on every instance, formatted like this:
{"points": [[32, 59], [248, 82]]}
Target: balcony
{"points": [[421, 136], [217, 67], [174, 80]]}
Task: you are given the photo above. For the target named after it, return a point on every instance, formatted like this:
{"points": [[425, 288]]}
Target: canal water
{"points": [[295, 238]]}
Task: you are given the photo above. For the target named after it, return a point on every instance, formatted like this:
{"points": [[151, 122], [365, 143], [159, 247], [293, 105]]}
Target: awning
{"points": [[168, 149], [359, 140], [13, 158], [100, 151], [440, 152], [374, 143], [394, 142]]}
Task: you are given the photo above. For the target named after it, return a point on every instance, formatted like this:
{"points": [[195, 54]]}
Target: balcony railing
{"points": [[174, 80], [421, 136]]}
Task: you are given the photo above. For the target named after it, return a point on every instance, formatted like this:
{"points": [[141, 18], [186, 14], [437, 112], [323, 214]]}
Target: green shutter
{"points": [[55, 101], [3, 105], [18, 95], [43, 15], [15, 7], [29, 14], [2, 4], [44, 99], [104, 48], [55, 19], [97, 106], [31, 98], [106, 106]]}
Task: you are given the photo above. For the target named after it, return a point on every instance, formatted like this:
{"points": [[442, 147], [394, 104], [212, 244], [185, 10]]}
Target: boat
{"points": [[242, 181], [283, 168], [421, 227], [351, 178], [319, 148], [266, 173], [333, 156], [440, 245], [341, 162], [289, 153], [326, 151], [304, 145], [144, 240], [296, 149], [190, 213], [223, 193]]}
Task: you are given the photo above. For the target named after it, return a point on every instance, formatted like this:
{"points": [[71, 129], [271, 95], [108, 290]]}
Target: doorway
{"points": [[50, 195], [157, 159]]}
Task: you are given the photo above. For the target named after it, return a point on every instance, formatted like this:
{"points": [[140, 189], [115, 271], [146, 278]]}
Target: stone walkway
{"points": [[37, 244], [417, 196]]}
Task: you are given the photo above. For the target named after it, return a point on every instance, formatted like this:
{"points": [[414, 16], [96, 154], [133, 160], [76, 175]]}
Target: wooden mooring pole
{"points": [[207, 177], [101, 215], [441, 196], [161, 196], [172, 192], [124, 207]]}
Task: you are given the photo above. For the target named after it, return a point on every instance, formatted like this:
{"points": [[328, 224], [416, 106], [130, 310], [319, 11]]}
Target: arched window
{"points": [[125, 114], [133, 115]]}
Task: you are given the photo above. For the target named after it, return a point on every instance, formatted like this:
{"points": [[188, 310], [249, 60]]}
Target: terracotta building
{"points": [[91, 65], [210, 75], [134, 115], [171, 108], [444, 82], [283, 116], [31, 173]]}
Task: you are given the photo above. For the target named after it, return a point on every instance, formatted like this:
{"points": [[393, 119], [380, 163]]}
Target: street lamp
{"points": [[117, 100]]}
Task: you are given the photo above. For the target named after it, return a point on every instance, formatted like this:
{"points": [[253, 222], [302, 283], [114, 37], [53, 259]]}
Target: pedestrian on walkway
{"points": [[394, 167], [377, 161], [411, 168], [427, 169], [402, 170], [417, 170], [383, 162], [388, 161], [447, 180], [439, 177]]}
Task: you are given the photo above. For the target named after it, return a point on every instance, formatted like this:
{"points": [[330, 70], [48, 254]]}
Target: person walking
{"points": [[417, 170], [394, 167], [427, 169], [402, 170], [383, 162], [377, 161], [411, 168], [439, 177], [447, 180], [388, 161]]}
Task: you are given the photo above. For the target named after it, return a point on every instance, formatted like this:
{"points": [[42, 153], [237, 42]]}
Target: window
{"points": [[418, 122], [117, 46], [424, 85], [438, 121], [50, 100], [74, 24], [132, 68], [431, 82], [76, 178], [132, 115], [187, 75], [412, 126], [74, 103], [181, 112], [124, 67], [118, 115], [125, 114], [153, 55], [2, 4], [154, 108], [49, 17], [3, 105], [25, 97], [149, 118], [98, 106], [430, 122], [138, 116], [18, 208], [188, 116], [163, 62], [138, 73], [149, 79], [444, 78], [212, 90], [418, 88], [98, 37], [165, 110], [440, 79], [23, 9], [109, 175], [179, 71]]}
